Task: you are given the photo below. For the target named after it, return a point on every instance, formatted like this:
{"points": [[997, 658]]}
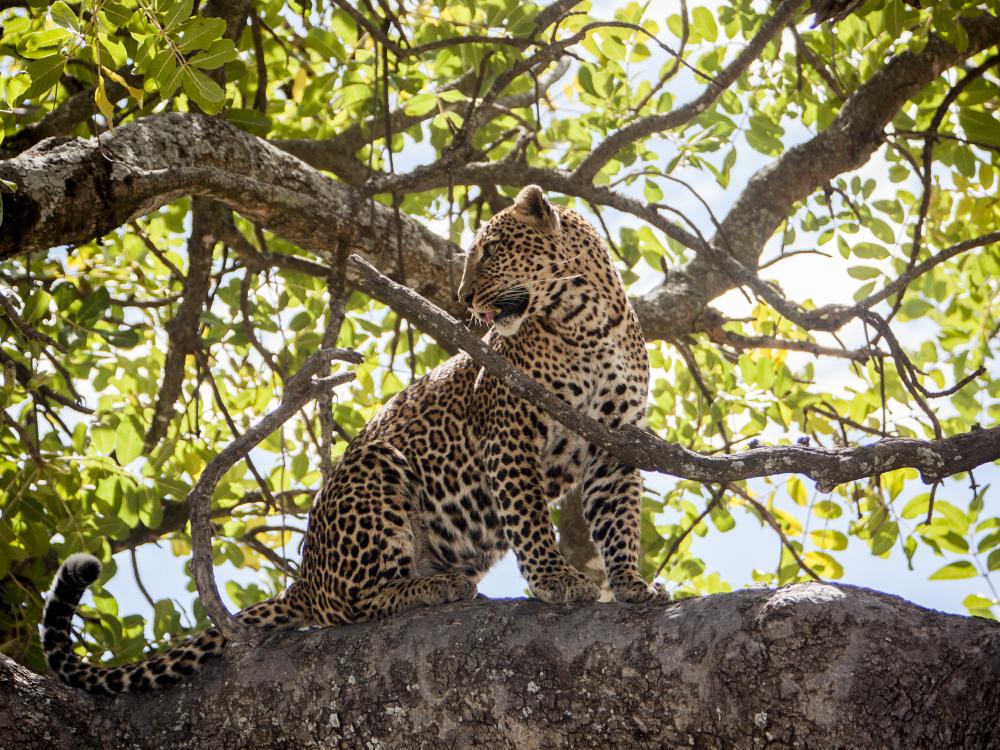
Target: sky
{"points": [[749, 545]]}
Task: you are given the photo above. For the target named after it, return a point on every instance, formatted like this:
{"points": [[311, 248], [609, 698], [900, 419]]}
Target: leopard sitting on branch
{"points": [[456, 470]]}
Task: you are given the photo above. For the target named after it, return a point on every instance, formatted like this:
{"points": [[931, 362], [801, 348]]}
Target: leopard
{"points": [[456, 470]]}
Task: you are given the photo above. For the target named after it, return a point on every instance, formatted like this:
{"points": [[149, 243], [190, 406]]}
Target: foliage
{"points": [[73, 480]]}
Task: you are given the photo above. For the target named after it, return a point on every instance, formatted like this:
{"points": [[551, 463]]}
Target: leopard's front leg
{"points": [[511, 457], [612, 493]]}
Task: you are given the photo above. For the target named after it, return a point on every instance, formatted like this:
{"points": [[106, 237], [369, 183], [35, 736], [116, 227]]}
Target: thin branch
{"points": [[652, 124], [740, 342], [43, 393], [935, 459], [300, 389], [182, 329], [899, 284], [138, 579], [27, 331]]}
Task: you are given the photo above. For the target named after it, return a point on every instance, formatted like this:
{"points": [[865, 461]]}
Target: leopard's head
{"points": [[517, 264]]}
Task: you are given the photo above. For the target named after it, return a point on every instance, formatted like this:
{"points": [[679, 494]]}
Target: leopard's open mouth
{"points": [[508, 305]]}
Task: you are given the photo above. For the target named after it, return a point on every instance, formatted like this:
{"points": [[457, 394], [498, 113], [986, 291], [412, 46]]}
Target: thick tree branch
{"points": [[147, 163], [75, 191], [845, 144], [935, 459], [807, 666]]}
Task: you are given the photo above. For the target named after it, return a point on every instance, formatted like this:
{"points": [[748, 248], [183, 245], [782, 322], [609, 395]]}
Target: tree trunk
{"points": [[810, 665]]}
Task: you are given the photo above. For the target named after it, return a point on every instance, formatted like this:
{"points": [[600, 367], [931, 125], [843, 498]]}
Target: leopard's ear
{"points": [[532, 206]]}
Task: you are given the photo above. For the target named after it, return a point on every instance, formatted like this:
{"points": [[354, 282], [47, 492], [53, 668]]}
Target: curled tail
{"points": [[73, 578]]}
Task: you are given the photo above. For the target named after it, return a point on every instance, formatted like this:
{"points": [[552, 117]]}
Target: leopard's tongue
{"points": [[488, 317]]}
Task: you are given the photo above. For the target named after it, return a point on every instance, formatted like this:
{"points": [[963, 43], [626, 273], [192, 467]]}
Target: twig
{"points": [[182, 329], [251, 540], [300, 388], [138, 579], [771, 521], [220, 403], [717, 496], [10, 312], [30, 444], [42, 392], [738, 341]]}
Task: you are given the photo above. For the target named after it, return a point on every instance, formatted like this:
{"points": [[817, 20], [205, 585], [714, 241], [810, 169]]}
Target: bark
{"points": [[810, 665], [75, 191]]}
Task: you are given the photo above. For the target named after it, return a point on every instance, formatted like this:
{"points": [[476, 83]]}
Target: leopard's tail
{"points": [[73, 578]]}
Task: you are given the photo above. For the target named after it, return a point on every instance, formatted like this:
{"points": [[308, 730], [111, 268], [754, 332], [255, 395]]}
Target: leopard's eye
{"points": [[489, 247]]}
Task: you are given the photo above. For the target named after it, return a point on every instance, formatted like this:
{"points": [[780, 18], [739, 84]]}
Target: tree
{"points": [[167, 274]]}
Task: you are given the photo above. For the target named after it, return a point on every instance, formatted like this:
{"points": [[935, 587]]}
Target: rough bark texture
{"points": [[145, 164], [811, 665]]}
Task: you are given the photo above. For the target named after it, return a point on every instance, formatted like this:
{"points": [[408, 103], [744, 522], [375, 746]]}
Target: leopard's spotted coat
{"points": [[456, 470]]}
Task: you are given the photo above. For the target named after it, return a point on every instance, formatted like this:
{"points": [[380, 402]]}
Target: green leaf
{"points": [[15, 87], [993, 561], [980, 126], [703, 20], [586, 79], [894, 14], [420, 105], [103, 439], [103, 103], [827, 509], [177, 12], [93, 307], [954, 571], [797, 491], [205, 92], [828, 539], [884, 538], [45, 73], [979, 606], [63, 15], [823, 564], [199, 33], [988, 542], [914, 308], [722, 519], [869, 251], [128, 441], [863, 272], [150, 509], [221, 52], [117, 14]]}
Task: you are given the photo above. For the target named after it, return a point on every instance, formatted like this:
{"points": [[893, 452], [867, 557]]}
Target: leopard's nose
{"points": [[467, 299]]}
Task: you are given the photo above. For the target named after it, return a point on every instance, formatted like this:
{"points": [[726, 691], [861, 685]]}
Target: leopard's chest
{"points": [[610, 387]]}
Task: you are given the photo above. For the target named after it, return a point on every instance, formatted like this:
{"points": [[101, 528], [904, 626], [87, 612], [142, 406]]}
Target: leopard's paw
{"points": [[638, 591], [441, 589], [459, 589], [564, 586]]}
